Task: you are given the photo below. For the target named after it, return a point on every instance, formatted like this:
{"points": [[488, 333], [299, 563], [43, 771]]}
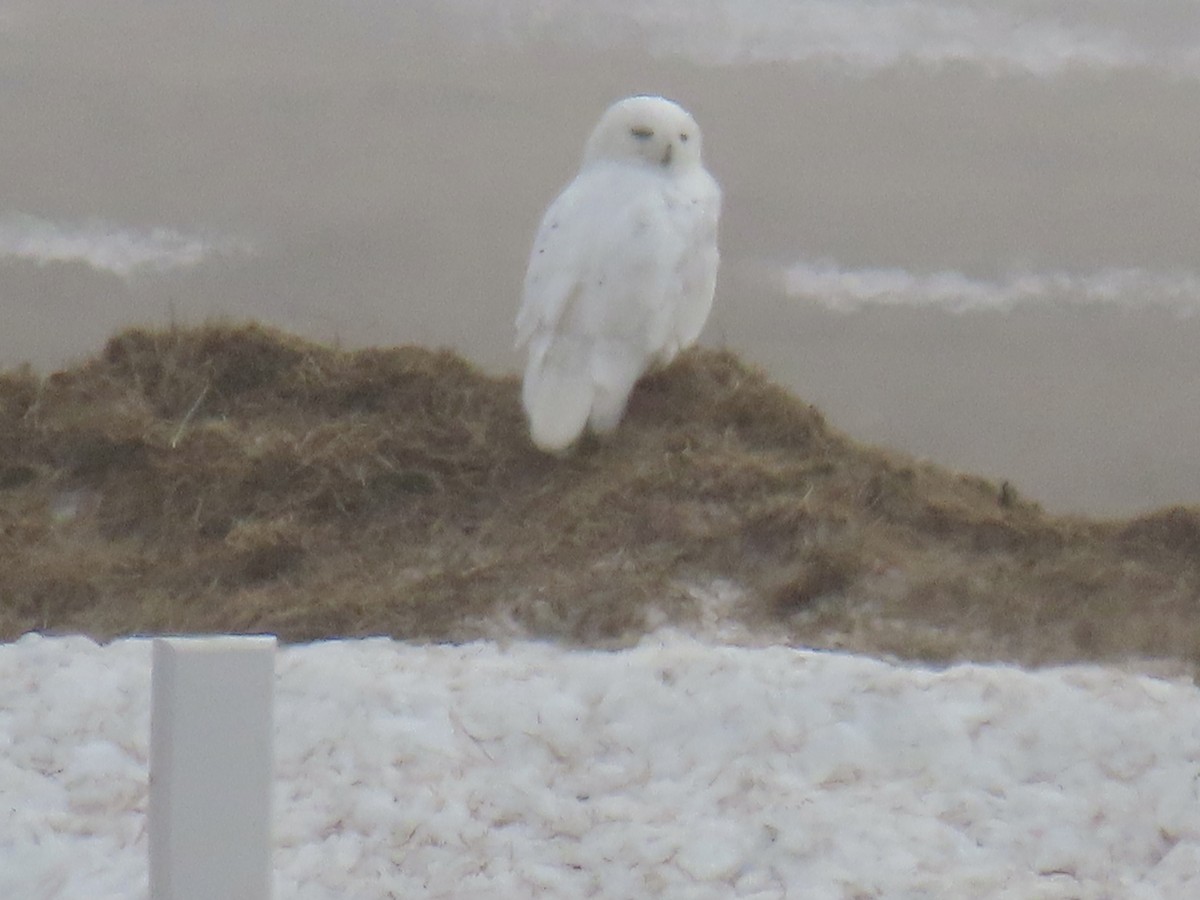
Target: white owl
{"points": [[622, 272]]}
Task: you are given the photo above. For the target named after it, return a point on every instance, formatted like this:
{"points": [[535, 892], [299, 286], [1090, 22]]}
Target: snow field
{"points": [[675, 769]]}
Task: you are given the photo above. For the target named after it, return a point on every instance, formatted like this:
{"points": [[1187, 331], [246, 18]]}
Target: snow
{"points": [[677, 769], [108, 246]]}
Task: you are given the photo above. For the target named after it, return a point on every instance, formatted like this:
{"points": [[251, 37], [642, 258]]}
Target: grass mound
{"points": [[235, 478]]}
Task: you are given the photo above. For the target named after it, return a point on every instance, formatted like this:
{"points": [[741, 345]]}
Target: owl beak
{"points": [[666, 160]]}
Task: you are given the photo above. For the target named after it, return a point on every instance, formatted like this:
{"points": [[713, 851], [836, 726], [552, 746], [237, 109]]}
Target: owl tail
{"points": [[558, 391]]}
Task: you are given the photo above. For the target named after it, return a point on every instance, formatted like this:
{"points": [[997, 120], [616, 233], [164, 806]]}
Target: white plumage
{"points": [[622, 272]]}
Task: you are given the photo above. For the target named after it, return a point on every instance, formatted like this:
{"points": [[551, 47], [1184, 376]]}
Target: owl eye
{"points": [[642, 133]]}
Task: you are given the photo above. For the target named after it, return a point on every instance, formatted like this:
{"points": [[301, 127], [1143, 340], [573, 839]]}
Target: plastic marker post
{"points": [[211, 730]]}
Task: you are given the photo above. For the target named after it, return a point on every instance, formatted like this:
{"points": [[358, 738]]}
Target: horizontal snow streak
{"points": [[845, 290], [877, 36], [103, 245], [1044, 39]]}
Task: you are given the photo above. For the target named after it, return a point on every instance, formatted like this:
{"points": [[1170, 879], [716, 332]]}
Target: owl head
{"points": [[645, 129]]}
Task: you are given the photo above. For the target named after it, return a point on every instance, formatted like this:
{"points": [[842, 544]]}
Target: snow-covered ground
{"points": [[675, 769]]}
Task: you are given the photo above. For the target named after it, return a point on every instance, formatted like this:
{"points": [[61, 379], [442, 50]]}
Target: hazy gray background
{"points": [[965, 230]]}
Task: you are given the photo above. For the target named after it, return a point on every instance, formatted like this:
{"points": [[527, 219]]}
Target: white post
{"points": [[211, 731]]}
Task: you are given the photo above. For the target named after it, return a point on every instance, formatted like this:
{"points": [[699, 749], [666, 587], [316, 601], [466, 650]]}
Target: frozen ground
{"points": [[675, 769]]}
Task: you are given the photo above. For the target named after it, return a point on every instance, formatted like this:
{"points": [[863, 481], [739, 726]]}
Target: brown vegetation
{"points": [[237, 479]]}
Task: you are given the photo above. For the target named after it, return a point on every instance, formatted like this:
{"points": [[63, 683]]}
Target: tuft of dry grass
{"points": [[234, 478]]}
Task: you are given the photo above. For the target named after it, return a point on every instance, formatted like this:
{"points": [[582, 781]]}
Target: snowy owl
{"points": [[622, 272]]}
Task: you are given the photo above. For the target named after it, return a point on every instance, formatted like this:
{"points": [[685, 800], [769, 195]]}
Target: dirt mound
{"points": [[234, 478]]}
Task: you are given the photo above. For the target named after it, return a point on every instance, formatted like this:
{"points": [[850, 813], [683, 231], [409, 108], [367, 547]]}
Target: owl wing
{"points": [[555, 263], [593, 313], [697, 268], [603, 256]]}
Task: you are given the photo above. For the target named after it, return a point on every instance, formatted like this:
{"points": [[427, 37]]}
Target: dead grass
{"points": [[235, 478]]}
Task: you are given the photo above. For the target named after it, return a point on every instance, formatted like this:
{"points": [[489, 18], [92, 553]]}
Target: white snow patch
{"points": [[849, 290], [1044, 39], [676, 768], [104, 245]]}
